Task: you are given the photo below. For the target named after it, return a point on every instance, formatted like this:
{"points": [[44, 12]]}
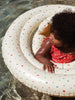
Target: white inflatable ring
{"points": [[21, 67], [65, 68]]}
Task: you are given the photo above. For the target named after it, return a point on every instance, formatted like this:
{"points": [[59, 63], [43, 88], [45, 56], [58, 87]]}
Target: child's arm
{"points": [[41, 56]]}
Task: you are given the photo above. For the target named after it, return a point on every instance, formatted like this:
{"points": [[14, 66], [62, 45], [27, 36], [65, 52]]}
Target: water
{"points": [[9, 10]]}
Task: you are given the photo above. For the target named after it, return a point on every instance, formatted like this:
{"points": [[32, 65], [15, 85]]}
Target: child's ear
{"points": [[46, 32]]}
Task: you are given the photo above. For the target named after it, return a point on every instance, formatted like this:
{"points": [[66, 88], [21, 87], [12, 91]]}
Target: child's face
{"points": [[56, 42]]}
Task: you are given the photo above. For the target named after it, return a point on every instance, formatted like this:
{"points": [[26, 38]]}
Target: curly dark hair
{"points": [[64, 24]]}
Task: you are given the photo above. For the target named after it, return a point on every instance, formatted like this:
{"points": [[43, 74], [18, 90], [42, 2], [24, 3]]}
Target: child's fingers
{"points": [[49, 69], [53, 69], [44, 67]]}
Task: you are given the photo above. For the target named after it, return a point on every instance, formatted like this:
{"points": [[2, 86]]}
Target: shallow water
{"points": [[9, 10]]}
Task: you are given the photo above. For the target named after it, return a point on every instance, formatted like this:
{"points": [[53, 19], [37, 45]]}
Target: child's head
{"points": [[63, 28]]}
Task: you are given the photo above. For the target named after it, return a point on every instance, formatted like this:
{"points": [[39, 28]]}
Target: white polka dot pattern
{"points": [[16, 51]]}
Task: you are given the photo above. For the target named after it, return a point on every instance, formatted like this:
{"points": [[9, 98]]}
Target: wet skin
{"points": [[42, 53]]}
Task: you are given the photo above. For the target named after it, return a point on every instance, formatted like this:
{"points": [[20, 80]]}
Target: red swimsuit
{"points": [[58, 56]]}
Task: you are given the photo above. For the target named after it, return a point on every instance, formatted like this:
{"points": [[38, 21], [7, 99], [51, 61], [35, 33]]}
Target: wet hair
{"points": [[64, 24]]}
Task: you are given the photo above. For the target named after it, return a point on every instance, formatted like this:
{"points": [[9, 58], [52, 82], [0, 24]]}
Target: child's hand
{"points": [[50, 67]]}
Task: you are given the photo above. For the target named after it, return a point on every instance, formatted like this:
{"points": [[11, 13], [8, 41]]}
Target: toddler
{"points": [[59, 44]]}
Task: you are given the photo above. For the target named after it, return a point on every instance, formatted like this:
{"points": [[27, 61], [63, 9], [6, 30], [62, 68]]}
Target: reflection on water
{"points": [[9, 10]]}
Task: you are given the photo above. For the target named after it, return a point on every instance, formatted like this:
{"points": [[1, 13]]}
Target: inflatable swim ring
{"points": [[17, 53], [65, 68]]}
